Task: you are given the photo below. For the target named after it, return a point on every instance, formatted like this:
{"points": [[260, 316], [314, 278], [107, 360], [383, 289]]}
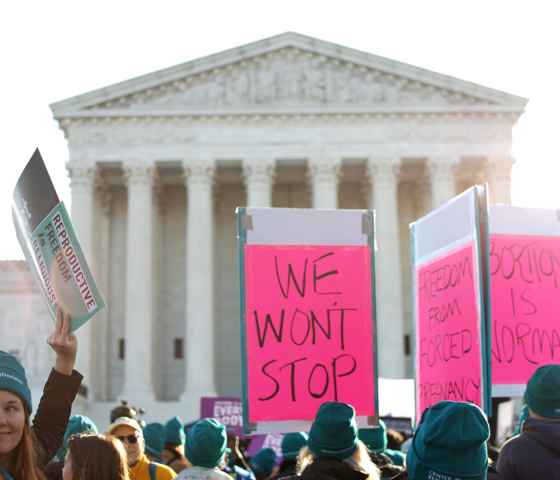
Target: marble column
{"points": [[83, 180], [199, 349], [323, 177], [259, 178], [384, 174], [139, 283], [442, 172], [101, 346], [499, 179]]}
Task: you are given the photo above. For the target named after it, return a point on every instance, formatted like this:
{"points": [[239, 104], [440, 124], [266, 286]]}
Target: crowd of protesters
{"points": [[451, 441]]}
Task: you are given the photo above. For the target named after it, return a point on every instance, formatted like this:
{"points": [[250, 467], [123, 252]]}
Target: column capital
{"points": [[384, 170], [323, 170], [85, 176], [139, 174], [442, 168], [259, 171], [198, 172]]}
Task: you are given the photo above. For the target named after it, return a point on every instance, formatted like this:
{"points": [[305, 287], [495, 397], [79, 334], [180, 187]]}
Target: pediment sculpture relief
{"points": [[290, 77]]}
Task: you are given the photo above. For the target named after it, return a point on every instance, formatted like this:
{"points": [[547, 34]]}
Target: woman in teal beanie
{"points": [[76, 425], [26, 448], [154, 438], [173, 453], [450, 442], [292, 443], [333, 450], [205, 450]]}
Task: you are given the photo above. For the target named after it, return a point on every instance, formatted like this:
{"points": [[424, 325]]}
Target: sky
{"points": [[55, 50]]}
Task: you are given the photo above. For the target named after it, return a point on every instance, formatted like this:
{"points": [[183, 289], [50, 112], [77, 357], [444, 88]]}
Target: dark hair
{"points": [[395, 439], [97, 457], [125, 410], [24, 459]]}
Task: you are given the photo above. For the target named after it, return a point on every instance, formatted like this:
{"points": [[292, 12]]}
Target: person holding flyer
{"points": [[25, 446]]}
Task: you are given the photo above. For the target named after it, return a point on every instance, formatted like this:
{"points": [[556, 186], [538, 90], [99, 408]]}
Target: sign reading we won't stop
{"points": [[308, 328]]}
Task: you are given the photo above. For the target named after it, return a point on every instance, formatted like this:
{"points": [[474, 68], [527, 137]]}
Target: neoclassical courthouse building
{"points": [[159, 163]]}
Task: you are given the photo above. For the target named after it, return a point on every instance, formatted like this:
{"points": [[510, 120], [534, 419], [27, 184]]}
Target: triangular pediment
{"points": [[289, 71]]}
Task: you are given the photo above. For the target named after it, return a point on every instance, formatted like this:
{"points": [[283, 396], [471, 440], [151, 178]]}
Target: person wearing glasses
{"points": [[129, 432]]}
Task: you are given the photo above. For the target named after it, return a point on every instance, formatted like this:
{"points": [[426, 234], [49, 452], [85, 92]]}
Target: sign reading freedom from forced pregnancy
{"points": [[309, 330], [50, 246], [525, 286], [448, 344]]}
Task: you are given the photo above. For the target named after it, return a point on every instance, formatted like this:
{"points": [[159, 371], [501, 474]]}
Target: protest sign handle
{"points": [[483, 239], [241, 242], [371, 233]]}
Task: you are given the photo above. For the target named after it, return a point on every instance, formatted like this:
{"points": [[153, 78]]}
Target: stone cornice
{"points": [[275, 112], [280, 117], [263, 47]]}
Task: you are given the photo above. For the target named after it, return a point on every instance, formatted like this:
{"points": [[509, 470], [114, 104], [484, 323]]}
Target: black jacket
{"points": [[53, 413], [534, 454], [326, 469]]}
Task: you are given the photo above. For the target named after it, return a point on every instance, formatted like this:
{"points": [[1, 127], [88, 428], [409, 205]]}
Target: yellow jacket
{"points": [[141, 471]]}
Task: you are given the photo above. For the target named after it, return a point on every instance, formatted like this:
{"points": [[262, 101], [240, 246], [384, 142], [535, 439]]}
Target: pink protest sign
{"points": [[448, 349], [309, 330], [525, 293]]}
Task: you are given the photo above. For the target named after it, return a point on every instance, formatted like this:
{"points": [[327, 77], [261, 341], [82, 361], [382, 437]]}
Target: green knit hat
{"points": [[292, 443], [206, 443], [542, 394], [450, 441], [13, 379], [76, 425], [334, 433], [174, 433], [264, 461], [154, 438], [375, 438]]}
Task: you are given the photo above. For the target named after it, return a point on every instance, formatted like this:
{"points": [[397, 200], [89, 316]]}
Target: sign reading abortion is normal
{"points": [[50, 246], [307, 314], [450, 289], [525, 286]]}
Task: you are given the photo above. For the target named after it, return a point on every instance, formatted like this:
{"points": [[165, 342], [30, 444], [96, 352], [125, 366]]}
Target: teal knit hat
{"points": [[264, 461], [542, 394], [13, 379], [450, 442], [375, 438], [154, 438], [334, 433], [292, 443], [76, 425], [174, 433], [206, 443]]}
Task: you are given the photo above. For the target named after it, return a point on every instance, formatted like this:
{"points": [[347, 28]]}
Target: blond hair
{"points": [[359, 460]]}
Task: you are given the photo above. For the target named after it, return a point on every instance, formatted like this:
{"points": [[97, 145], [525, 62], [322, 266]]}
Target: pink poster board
{"points": [[309, 330], [448, 348], [525, 293]]}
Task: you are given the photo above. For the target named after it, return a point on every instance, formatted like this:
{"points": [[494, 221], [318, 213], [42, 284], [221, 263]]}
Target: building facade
{"points": [[159, 163]]}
